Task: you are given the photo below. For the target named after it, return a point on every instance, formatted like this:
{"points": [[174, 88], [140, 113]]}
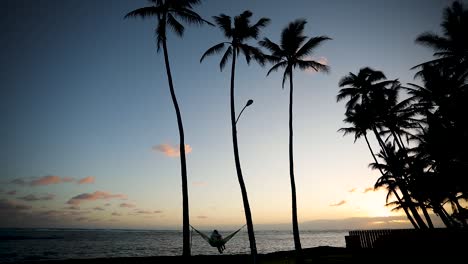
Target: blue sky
{"points": [[84, 94]]}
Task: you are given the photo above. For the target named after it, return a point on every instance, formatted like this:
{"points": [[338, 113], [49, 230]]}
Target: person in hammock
{"points": [[218, 239]]}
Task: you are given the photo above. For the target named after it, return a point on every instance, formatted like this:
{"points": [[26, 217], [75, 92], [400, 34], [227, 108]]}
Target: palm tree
{"points": [[451, 49], [292, 52], [167, 12], [238, 34], [370, 92]]}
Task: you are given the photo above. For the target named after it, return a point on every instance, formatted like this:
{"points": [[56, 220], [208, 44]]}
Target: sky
{"points": [[89, 134]]}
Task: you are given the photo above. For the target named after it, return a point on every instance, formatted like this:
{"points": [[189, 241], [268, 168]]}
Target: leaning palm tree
{"points": [[292, 52], [167, 12], [238, 34]]}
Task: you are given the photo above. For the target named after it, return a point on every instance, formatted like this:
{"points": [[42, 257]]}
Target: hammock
{"points": [[217, 242]]}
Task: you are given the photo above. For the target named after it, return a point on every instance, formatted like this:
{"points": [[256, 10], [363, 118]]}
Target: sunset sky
{"points": [[89, 134]]}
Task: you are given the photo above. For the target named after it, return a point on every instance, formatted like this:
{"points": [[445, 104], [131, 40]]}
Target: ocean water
{"points": [[41, 244]]}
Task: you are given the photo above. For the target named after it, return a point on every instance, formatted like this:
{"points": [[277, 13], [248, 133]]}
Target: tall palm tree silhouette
{"points": [[292, 52], [167, 12], [238, 34]]}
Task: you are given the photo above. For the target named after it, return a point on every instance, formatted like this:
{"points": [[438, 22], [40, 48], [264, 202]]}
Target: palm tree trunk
{"points": [[183, 164], [245, 199], [402, 186], [297, 240], [408, 215], [427, 216]]}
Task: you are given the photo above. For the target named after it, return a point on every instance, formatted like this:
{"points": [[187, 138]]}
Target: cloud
{"points": [[41, 181], [98, 208], [50, 179], [352, 190], [127, 205], [73, 207], [199, 183], [11, 192], [34, 198], [171, 151], [107, 204], [321, 60], [143, 212], [89, 179], [202, 216], [6, 205], [116, 214], [157, 212], [97, 195], [370, 189], [340, 203]]}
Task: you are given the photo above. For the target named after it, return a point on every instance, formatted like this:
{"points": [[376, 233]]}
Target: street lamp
{"points": [[249, 102]]}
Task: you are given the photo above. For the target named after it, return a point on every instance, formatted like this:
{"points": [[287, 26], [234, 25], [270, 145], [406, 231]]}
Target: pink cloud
{"points": [[127, 205], [171, 151], [50, 179], [199, 183], [33, 198], [147, 212], [97, 195], [340, 203], [107, 204], [11, 192], [89, 179], [370, 189]]}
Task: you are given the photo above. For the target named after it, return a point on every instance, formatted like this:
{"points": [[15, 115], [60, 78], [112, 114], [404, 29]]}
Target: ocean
{"points": [[47, 244]]}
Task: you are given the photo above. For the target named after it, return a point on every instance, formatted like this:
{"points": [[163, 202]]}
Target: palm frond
{"points": [[310, 45], [175, 25], [216, 49], [274, 48], [224, 22], [277, 66], [310, 64], [191, 17], [144, 12], [225, 58], [255, 29]]}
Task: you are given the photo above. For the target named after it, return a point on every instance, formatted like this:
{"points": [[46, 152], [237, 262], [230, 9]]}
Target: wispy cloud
{"points": [[127, 205], [97, 195], [199, 183], [73, 207], [146, 212], [370, 189], [7, 205], [50, 179], [171, 151], [116, 214], [98, 208], [340, 203], [87, 180], [34, 198], [202, 217], [352, 190], [107, 204]]}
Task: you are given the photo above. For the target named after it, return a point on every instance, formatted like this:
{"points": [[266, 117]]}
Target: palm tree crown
{"points": [[167, 13], [293, 52], [238, 35]]}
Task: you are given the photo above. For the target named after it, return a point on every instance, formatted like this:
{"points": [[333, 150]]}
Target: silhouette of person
{"points": [[215, 236]]}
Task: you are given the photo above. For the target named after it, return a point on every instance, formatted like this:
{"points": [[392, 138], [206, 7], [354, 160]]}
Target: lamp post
{"points": [[249, 102]]}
